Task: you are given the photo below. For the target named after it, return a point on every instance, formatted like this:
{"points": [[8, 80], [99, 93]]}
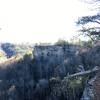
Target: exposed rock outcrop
{"points": [[58, 60], [88, 93]]}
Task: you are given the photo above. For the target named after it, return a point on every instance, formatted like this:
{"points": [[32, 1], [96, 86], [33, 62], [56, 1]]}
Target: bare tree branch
{"points": [[95, 69]]}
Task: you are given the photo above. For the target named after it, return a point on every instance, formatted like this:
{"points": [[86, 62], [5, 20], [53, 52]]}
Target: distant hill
{"points": [[13, 49]]}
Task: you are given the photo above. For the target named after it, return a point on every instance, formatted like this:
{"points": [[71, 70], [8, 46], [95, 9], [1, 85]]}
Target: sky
{"points": [[37, 21]]}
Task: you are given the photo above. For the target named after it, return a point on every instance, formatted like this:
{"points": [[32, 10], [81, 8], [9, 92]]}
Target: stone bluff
{"points": [[54, 60]]}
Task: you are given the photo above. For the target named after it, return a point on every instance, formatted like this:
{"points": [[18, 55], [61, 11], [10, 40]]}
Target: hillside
{"points": [[44, 74], [13, 49]]}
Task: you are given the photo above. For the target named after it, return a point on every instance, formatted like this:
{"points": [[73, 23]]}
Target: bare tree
{"points": [[90, 25]]}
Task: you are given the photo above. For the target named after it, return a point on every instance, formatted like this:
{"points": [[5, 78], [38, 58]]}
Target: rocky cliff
{"points": [[44, 75], [61, 60]]}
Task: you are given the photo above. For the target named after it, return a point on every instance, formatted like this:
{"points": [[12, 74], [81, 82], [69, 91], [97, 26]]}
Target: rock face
{"points": [[60, 60], [96, 87], [88, 93]]}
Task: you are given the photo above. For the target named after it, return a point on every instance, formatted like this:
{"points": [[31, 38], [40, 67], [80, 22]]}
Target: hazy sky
{"points": [[39, 20]]}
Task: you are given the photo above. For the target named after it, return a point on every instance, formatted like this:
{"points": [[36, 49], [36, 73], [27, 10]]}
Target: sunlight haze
{"points": [[39, 20]]}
